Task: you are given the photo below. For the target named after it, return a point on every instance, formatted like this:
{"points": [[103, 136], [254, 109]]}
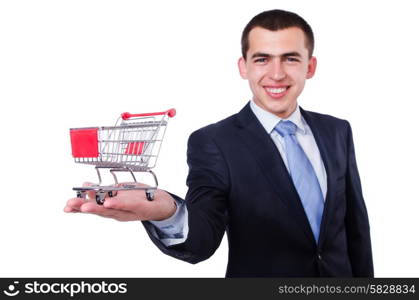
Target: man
{"points": [[281, 181]]}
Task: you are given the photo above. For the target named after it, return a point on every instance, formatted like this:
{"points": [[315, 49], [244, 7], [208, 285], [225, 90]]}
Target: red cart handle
{"points": [[171, 113]]}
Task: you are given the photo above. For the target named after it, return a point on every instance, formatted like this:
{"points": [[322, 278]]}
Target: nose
{"points": [[277, 72]]}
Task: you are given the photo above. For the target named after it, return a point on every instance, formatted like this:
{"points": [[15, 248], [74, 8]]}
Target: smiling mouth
{"points": [[276, 92]]}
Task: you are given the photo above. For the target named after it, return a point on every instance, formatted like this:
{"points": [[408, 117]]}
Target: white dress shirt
{"points": [[174, 230], [304, 136]]}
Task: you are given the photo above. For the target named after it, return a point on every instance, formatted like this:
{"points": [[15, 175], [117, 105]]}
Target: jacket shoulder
{"points": [[326, 120]]}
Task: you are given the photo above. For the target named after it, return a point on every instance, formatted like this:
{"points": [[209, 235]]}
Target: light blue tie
{"points": [[303, 176]]}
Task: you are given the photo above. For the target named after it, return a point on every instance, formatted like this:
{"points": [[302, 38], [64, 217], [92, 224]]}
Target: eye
{"points": [[292, 59], [260, 60]]}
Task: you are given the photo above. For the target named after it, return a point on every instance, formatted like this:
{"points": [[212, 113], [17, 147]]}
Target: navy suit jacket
{"points": [[238, 183]]}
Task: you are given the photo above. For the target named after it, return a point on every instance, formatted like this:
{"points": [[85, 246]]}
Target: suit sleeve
{"points": [[208, 183], [357, 224]]}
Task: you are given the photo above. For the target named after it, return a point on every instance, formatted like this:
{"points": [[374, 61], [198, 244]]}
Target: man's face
{"points": [[277, 66]]}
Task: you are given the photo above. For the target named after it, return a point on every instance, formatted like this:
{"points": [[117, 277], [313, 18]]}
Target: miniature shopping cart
{"points": [[132, 145]]}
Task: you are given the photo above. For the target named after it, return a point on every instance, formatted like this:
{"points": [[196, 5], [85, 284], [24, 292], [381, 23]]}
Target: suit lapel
{"points": [[262, 147]]}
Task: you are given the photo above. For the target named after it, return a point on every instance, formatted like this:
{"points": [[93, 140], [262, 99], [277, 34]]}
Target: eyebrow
{"points": [[287, 54]]}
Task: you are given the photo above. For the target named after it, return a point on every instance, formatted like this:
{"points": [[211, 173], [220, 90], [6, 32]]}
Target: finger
{"points": [[128, 201], [119, 215], [93, 208], [73, 205], [69, 209]]}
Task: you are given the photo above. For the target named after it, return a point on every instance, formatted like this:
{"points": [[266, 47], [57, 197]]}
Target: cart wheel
{"points": [[110, 194], [81, 194], [149, 194], [100, 198]]}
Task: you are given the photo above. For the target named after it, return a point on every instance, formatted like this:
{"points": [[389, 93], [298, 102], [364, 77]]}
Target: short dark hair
{"points": [[277, 19]]}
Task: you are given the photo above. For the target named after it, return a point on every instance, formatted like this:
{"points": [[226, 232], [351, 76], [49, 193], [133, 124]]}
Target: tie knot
{"points": [[286, 128]]}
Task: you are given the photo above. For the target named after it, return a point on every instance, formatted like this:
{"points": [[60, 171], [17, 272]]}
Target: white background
{"points": [[70, 64]]}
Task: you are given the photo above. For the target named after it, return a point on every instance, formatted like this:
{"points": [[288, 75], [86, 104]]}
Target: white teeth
{"points": [[276, 91]]}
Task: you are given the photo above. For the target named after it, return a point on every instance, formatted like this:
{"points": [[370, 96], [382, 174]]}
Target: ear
{"points": [[312, 65], [242, 67]]}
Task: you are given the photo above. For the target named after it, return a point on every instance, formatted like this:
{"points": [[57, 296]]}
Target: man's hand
{"points": [[129, 205]]}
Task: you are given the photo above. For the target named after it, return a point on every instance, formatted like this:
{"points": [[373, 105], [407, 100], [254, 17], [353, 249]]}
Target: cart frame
{"points": [[132, 145]]}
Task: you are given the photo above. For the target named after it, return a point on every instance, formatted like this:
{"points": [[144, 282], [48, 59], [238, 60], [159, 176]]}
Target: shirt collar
{"points": [[269, 120]]}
